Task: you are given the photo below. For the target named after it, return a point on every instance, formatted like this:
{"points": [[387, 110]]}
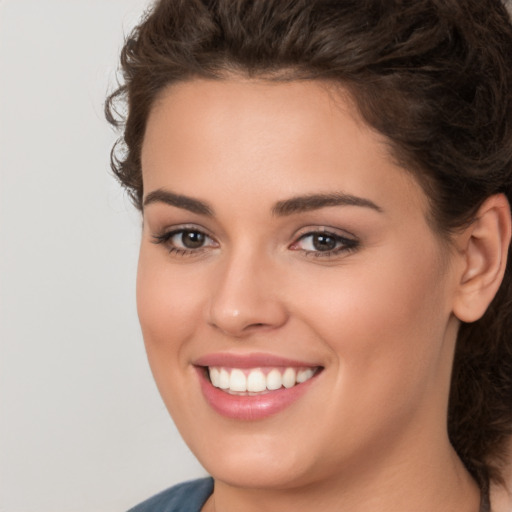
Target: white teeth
{"points": [[223, 379], [215, 377], [274, 380], [237, 381], [304, 375], [289, 376], [255, 381]]}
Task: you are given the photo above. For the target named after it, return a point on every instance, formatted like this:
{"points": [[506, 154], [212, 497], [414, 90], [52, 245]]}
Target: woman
{"points": [[323, 285]]}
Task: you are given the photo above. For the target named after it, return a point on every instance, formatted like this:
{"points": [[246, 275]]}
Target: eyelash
{"points": [[346, 245], [165, 239]]}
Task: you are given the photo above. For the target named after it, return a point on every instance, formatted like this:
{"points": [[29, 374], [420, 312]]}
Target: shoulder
{"points": [[184, 497]]}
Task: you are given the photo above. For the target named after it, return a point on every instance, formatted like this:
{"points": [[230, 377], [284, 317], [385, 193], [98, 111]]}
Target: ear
{"points": [[484, 247]]}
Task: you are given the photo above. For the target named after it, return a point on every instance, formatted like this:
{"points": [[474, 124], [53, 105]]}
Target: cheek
{"points": [[168, 303], [168, 307], [385, 324]]}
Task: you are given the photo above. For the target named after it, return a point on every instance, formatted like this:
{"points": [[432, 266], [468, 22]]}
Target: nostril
{"points": [[239, 314]]}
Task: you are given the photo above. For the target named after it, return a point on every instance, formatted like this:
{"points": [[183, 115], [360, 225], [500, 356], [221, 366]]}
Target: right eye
{"points": [[185, 241]]}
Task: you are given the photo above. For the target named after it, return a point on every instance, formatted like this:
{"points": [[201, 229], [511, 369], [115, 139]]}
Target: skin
{"points": [[379, 318]]}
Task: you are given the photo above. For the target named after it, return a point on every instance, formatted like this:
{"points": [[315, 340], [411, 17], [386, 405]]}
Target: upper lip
{"points": [[255, 360]]}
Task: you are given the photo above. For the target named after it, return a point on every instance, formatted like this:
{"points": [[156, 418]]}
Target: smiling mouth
{"points": [[258, 381], [252, 387]]}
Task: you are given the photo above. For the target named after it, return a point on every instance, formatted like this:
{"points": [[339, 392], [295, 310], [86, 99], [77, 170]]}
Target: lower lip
{"points": [[251, 407]]}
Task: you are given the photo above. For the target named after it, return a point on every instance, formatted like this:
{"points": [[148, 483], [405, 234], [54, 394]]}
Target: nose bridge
{"points": [[245, 297]]}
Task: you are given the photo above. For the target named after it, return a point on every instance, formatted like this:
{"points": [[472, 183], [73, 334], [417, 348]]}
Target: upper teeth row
{"points": [[255, 380]]}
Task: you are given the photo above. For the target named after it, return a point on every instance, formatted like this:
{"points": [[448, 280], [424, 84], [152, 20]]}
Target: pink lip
{"points": [[256, 360], [250, 407]]}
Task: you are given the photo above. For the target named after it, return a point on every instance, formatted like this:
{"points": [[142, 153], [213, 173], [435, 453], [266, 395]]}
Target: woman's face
{"points": [[283, 249]]}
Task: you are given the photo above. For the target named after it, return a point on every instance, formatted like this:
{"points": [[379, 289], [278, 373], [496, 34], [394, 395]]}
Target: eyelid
{"points": [[345, 243], [176, 228], [330, 230], [165, 236]]}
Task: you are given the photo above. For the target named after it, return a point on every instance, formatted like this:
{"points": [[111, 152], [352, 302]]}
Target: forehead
{"points": [[268, 138], [255, 107]]}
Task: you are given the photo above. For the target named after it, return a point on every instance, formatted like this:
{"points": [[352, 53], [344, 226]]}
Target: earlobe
{"points": [[484, 251]]}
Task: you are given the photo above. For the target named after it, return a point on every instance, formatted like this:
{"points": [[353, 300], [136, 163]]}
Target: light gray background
{"points": [[82, 428]]}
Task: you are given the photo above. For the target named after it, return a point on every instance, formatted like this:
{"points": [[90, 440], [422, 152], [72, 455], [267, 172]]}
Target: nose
{"points": [[246, 297]]}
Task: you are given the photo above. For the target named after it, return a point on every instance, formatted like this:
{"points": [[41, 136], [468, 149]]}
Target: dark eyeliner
{"points": [[165, 238], [347, 245]]}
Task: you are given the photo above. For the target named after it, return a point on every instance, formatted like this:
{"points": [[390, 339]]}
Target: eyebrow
{"points": [[281, 208], [316, 201], [180, 201]]}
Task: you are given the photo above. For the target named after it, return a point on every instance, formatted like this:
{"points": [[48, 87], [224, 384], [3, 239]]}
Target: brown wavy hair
{"points": [[433, 76]]}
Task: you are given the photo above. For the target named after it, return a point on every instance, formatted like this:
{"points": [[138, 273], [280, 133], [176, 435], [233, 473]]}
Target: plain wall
{"points": [[82, 428]]}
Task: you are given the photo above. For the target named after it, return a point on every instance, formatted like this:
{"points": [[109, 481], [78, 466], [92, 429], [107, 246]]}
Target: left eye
{"points": [[183, 241], [187, 239], [323, 242]]}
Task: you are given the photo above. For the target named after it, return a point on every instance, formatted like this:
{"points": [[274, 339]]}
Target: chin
{"points": [[257, 461], [265, 472]]}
